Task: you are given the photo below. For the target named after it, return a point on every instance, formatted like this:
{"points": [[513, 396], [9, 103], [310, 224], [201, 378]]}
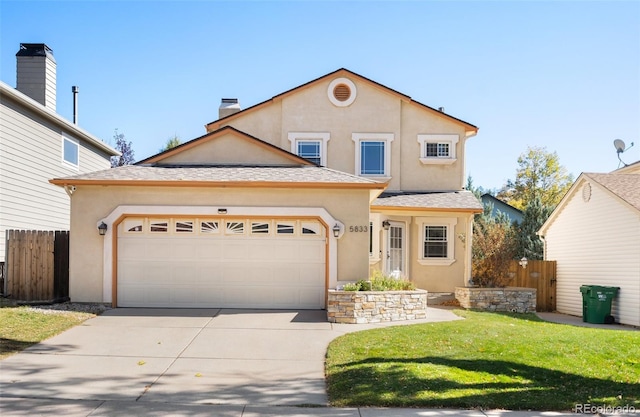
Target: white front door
{"points": [[395, 249]]}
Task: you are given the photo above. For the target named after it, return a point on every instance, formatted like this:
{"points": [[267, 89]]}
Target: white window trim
{"points": [[349, 84], [374, 137], [64, 161], [450, 223], [452, 140], [323, 137]]}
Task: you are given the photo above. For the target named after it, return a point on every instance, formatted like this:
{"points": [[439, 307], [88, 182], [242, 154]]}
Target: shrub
{"points": [[380, 282], [493, 249]]}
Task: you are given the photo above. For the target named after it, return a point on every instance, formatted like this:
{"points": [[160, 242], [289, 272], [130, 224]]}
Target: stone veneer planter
{"points": [[512, 299], [375, 306]]}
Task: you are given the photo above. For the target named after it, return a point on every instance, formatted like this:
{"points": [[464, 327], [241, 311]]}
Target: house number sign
{"points": [[359, 228]]}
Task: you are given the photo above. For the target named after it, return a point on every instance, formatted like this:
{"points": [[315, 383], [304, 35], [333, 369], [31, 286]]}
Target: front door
{"points": [[395, 250]]}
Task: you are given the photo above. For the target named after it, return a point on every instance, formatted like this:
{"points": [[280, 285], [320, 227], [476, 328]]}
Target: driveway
{"points": [[185, 357]]}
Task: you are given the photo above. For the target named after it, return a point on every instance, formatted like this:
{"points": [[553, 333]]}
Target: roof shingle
{"points": [[457, 200]]}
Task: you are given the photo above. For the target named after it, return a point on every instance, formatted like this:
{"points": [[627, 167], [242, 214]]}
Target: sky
{"points": [[559, 75]]}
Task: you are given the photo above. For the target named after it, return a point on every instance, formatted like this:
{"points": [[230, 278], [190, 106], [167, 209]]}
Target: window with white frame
{"points": [[310, 145], [373, 154], [437, 240], [438, 149], [70, 151]]}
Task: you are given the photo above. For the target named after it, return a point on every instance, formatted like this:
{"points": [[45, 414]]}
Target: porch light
{"points": [[102, 229], [386, 224], [523, 262], [336, 230]]}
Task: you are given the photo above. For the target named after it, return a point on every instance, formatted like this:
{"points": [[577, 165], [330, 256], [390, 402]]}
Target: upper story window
{"points": [[310, 145], [70, 152], [373, 154], [438, 149]]}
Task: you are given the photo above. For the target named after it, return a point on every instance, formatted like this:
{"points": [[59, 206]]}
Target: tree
{"points": [[529, 243], [493, 248], [539, 175], [126, 150], [171, 143]]}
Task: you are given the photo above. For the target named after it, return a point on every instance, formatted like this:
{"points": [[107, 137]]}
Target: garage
{"points": [[210, 262]]}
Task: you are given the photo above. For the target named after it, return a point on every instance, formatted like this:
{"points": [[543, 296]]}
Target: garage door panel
{"points": [[221, 270]]}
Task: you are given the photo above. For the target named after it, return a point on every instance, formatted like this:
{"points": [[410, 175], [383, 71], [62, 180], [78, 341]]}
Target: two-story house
{"points": [[279, 202], [37, 144]]}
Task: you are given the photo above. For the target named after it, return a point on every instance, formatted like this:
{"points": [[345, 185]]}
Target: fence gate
{"points": [[540, 275], [37, 265]]}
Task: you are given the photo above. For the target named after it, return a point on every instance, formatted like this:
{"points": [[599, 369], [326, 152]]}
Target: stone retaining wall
{"points": [[512, 299], [375, 306]]}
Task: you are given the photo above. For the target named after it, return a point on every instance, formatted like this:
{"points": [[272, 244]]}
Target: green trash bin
{"points": [[596, 303]]}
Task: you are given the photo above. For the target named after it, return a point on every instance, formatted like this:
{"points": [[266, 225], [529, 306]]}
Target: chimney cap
{"points": [[229, 101], [35, 49]]}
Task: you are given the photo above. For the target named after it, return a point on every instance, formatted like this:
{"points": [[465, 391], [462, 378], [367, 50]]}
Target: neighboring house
{"points": [[499, 206], [279, 202], [594, 235], [37, 144]]}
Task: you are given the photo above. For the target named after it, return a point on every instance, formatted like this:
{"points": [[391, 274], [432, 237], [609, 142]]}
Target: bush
{"points": [[380, 282], [493, 249]]}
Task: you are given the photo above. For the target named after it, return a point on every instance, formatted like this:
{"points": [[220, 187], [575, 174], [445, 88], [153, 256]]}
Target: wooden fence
{"points": [[540, 275], [37, 265]]}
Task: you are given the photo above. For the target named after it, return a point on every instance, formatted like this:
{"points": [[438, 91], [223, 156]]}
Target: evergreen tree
{"points": [[529, 243]]}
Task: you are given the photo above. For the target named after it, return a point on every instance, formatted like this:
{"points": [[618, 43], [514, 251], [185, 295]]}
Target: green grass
{"points": [[21, 327], [488, 360]]}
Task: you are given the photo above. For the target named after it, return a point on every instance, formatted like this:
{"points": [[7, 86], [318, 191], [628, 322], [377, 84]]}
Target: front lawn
{"points": [[21, 327], [488, 360]]}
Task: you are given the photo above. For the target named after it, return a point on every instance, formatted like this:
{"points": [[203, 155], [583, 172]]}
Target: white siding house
{"points": [[594, 235], [37, 144]]}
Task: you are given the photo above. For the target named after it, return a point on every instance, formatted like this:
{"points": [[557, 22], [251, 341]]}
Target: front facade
{"points": [[594, 235], [36, 144], [277, 203]]}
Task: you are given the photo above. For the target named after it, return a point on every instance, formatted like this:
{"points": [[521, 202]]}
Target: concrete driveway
{"points": [[234, 357]]}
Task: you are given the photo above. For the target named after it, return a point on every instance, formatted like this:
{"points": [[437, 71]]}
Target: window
{"points": [[310, 149], [209, 227], [159, 226], [184, 226], [70, 151], [310, 145], [437, 149], [437, 240], [311, 228], [133, 225], [373, 154], [259, 228], [235, 228], [283, 228]]}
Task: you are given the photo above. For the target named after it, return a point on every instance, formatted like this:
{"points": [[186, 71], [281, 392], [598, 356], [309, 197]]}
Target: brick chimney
{"points": [[36, 73]]}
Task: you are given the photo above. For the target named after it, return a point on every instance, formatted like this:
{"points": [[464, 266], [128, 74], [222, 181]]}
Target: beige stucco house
{"points": [[37, 144], [594, 235], [279, 202]]}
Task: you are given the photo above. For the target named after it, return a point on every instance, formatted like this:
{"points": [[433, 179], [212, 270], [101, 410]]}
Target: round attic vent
{"points": [[586, 192], [341, 92]]}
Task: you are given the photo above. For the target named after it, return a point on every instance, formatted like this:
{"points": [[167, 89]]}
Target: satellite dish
{"points": [[619, 145]]}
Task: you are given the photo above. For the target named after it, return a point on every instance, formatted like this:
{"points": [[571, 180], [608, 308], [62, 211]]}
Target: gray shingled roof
{"points": [[248, 174], [625, 186], [462, 200]]}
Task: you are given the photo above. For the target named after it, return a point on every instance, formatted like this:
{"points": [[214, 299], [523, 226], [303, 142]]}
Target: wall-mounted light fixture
{"points": [[222, 211], [386, 224], [523, 262], [336, 230], [102, 229]]}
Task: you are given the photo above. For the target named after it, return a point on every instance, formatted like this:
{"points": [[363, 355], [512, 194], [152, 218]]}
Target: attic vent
{"points": [[341, 92]]}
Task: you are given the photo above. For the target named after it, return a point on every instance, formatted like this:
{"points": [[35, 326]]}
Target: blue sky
{"points": [[564, 75]]}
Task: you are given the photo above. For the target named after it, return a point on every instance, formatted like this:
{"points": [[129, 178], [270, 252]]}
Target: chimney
{"points": [[228, 106], [36, 73], [75, 90]]}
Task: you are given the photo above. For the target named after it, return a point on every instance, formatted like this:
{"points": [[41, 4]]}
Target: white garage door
{"points": [[231, 263]]}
